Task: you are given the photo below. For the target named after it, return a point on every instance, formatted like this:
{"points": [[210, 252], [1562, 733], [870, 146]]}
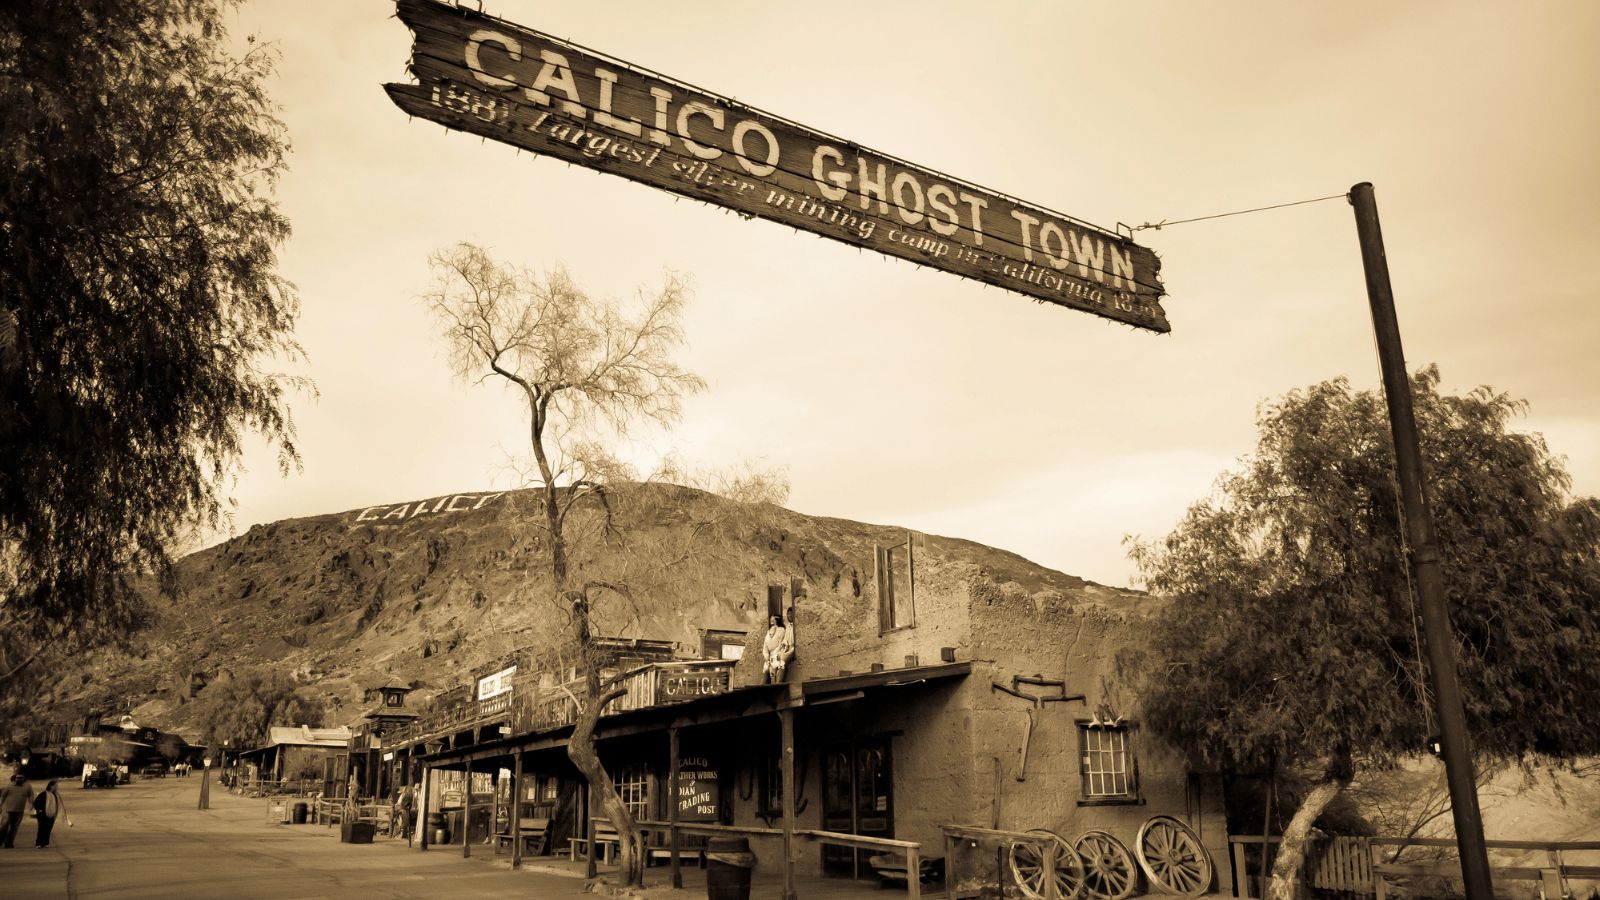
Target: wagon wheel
{"points": [[1109, 872], [1172, 857], [1027, 863]]}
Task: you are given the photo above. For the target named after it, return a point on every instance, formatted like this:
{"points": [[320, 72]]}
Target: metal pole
{"points": [[1425, 569]]}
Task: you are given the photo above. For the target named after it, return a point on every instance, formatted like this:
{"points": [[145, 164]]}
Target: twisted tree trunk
{"points": [[1286, 881]]}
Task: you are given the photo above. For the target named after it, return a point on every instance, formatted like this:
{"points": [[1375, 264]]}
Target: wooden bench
{"points": [[691, 848], [535, 836], [606, 841]]}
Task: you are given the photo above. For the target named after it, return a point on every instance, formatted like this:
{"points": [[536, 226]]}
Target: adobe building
{"points": [[938, 694]]}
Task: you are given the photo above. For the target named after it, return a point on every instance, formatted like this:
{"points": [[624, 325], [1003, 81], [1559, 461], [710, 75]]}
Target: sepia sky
{"points": [[896, 394]]}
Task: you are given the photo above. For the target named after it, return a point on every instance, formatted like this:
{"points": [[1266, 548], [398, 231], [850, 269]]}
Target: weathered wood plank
{"points": [[488, 77]]}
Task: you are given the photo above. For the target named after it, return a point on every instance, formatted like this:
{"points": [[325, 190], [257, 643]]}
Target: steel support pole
{"points": [[1425, 570]]}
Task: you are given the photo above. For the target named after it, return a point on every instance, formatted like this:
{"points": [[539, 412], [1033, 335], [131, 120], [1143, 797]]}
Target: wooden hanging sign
{"points": [[489, 77]]}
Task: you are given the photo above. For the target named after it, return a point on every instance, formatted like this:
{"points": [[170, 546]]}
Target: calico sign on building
{"points": [[488, 77]]}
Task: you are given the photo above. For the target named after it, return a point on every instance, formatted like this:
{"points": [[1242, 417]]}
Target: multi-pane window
{"points": [[1107, 762], [633, 786]]}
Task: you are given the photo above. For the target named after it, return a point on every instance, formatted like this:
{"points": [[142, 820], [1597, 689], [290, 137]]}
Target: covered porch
{"points": [[723, 765]]}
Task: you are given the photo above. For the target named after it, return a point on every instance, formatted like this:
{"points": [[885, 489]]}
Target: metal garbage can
{"points": [[729, 864], [436, 830], [301, 812]]}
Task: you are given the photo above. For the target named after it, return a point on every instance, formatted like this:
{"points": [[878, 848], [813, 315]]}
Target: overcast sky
{"points": [[896, 394]]}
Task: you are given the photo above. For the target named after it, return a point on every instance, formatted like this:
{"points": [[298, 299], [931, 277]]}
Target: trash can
{"points": [[301, 812], [436, 830], [729, 864]]}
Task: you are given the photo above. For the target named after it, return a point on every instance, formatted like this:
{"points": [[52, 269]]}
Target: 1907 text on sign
{"points": [[489, 77]]}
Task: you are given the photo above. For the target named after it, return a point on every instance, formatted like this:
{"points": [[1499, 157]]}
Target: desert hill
{"points": [[428, 591]]}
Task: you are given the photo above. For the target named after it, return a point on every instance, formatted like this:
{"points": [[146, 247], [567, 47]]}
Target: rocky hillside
{"points": [[428, 591]]}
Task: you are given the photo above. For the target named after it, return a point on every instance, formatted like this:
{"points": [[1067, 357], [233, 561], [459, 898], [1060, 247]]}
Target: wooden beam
{"points": [[672, 807], [466, 815], [516, 810], [786, 720], [591, 869], [422, 810]]}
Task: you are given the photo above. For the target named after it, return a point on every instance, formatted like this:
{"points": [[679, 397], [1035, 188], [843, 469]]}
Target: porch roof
{"points": [[752, 700]]}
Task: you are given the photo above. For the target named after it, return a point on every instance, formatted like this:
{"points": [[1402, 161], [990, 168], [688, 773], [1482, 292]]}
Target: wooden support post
{"points": [[1047, 860], [590, 870], [950, 846], [516, 810], [1425, 567], [422, 810], [673, 802], [786, 720], [913, 874], [466, 814]]}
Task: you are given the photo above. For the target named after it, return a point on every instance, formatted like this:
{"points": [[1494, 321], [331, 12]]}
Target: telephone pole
{"points": [[1425, 571]]}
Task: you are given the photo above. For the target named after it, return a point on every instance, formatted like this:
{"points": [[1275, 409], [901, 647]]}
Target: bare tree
{"points": [[581, 365]]}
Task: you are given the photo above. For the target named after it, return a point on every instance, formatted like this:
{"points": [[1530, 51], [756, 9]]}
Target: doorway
{"points": [[858, 798]]}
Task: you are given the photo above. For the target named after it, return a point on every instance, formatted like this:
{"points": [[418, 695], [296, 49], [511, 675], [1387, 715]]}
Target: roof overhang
{"points": [[743, 702]]}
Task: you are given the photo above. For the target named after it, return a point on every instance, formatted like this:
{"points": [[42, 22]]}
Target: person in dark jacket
{"points": [[46, 808], [14, 800]]}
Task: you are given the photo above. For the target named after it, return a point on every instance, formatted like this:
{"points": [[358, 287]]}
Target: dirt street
{"points": [[148, 839]]}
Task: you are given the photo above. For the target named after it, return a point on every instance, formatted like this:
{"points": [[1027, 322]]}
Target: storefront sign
{"points": [[687, 685], [489, 77], [496, 684], [697, 794]]}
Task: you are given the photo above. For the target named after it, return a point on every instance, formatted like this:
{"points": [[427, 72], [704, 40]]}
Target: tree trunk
{"points": [[581, 750], [1286, 882]]}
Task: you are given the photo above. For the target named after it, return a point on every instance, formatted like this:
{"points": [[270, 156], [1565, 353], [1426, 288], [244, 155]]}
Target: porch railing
{"points": [[911, 851]]}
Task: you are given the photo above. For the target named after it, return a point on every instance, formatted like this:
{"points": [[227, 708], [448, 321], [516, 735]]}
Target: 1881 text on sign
{"points": [[486, 76]]}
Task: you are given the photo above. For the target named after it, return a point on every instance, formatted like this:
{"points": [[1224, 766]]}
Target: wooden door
{"points": [[858, 798]]}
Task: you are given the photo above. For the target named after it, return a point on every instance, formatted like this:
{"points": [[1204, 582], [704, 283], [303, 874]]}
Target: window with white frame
{"points": [[1106, 763], [633, 786]]}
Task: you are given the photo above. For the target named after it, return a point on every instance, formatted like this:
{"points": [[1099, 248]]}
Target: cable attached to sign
{"points": [[1157, 226]]}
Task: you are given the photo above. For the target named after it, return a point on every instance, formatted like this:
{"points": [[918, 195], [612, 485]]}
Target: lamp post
{"points": [[205, 783]]}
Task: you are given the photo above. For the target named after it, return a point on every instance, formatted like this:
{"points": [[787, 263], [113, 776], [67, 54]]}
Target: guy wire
{"points": [[1163, 223]]}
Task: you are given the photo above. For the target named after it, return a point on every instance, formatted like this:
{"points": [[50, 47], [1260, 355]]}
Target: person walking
{"points": [[46, 807], [14, 799]]}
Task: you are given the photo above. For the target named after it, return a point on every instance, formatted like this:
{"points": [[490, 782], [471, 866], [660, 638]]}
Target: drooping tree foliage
{"points": [[1293, 636], [139, 298]]}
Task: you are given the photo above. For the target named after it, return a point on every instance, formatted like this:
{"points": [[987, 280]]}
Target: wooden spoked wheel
{"points": [[1172, 857], [1027, 862], [1109, 872]]}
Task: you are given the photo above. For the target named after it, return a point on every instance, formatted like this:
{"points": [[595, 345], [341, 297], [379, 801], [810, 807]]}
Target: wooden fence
{"points": [[1348, 863], [1335, 864]]}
